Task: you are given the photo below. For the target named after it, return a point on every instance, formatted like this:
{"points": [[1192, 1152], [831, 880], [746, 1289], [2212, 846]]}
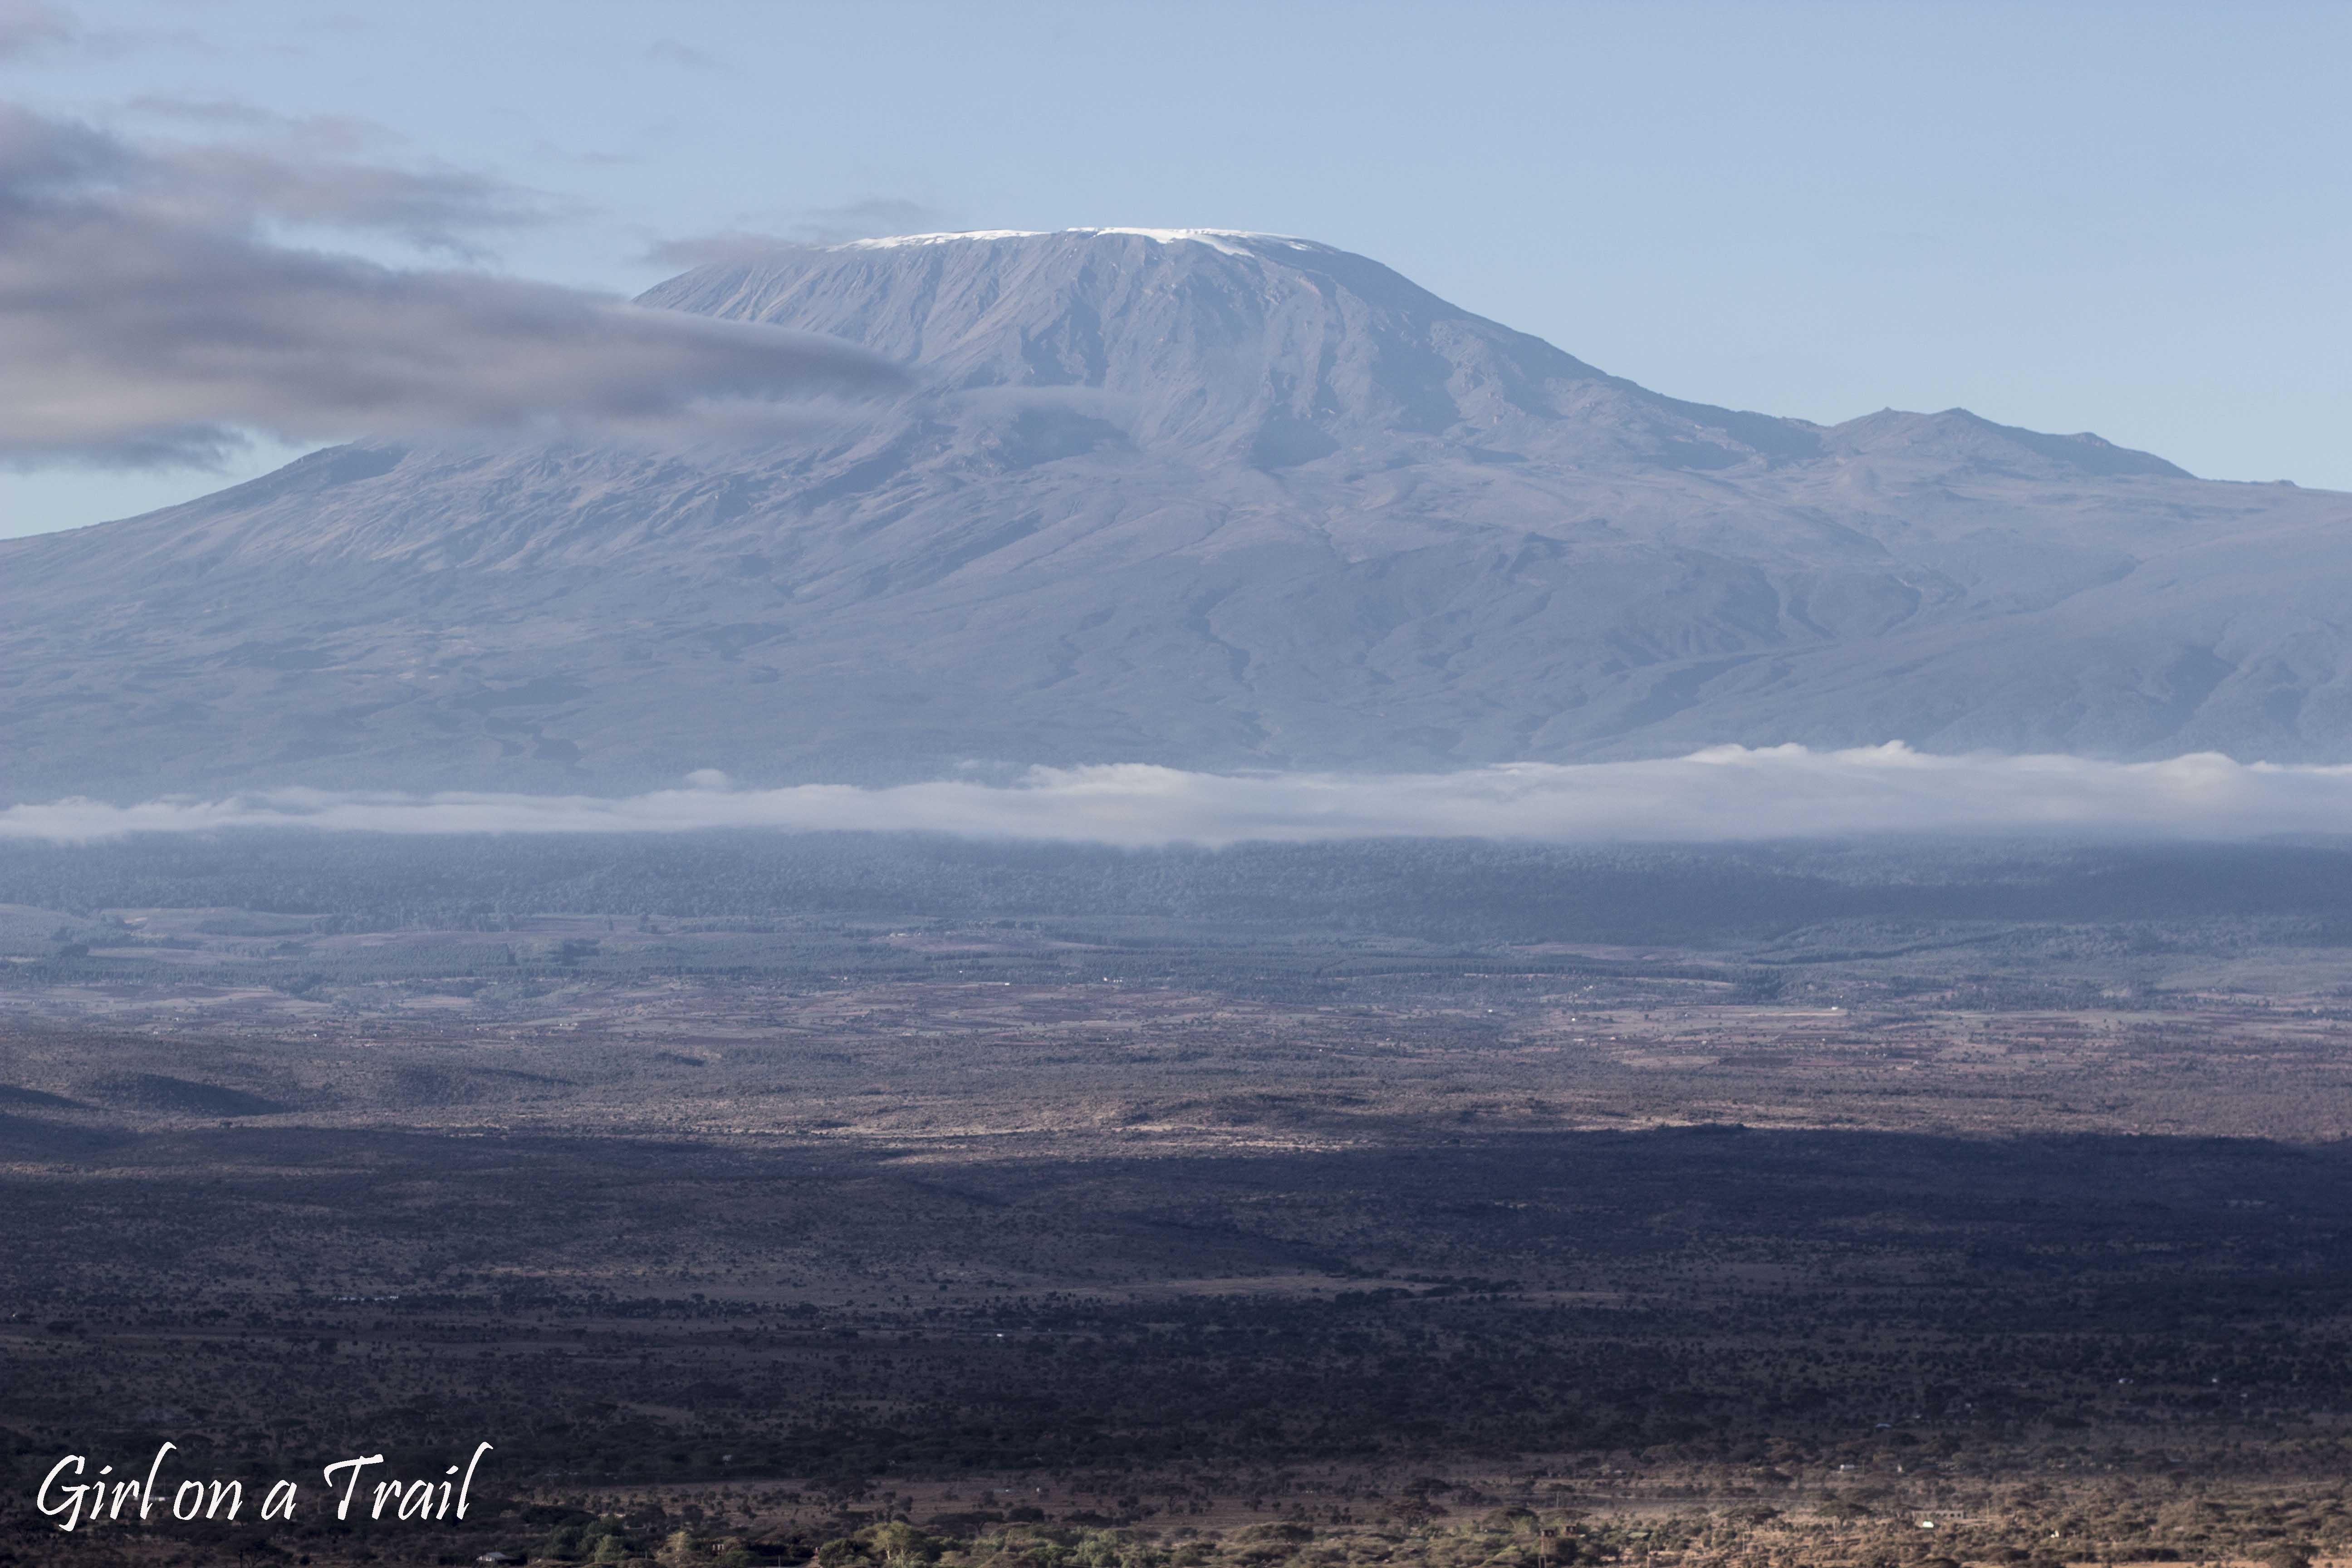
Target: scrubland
{"points": [[1003, 1238]]}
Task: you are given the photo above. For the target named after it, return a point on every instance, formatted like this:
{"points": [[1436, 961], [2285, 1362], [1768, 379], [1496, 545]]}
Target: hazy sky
{"points": [[2131, 219]]}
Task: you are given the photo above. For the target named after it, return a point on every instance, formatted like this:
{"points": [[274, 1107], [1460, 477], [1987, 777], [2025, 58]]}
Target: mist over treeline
{"points": [[1457, 890]]}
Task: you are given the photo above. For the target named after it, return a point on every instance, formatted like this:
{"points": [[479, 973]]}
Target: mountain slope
{"points": [[1210, 499]]}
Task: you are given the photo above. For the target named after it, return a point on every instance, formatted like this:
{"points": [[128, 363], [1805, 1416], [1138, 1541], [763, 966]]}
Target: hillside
{"points": [[1209, 499]]}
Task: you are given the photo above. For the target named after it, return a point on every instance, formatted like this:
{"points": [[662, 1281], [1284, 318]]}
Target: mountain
{"points": [[1218, 500]]}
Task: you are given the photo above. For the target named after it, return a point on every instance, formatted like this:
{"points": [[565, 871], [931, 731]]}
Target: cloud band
{"points": [[1722, 794], [149, 318]]}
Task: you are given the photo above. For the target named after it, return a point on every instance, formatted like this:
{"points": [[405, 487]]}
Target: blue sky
{"points": [[2127, 219]]}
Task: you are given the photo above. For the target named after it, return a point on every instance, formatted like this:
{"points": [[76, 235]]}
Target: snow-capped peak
{"points": [[1216, 238]]}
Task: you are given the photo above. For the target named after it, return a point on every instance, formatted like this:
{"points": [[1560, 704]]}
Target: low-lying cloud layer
{"points": [[150, 311], [1722, 794]]}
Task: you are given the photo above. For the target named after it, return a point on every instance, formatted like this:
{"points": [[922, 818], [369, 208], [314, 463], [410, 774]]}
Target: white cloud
{"points": [[1721, 793]]}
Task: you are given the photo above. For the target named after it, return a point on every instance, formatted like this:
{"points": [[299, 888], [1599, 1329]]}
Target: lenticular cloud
{"points": [[1720, 794]]}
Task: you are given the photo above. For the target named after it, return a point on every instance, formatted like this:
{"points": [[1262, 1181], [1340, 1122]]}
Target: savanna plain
{"points": [[764, 1198]]}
